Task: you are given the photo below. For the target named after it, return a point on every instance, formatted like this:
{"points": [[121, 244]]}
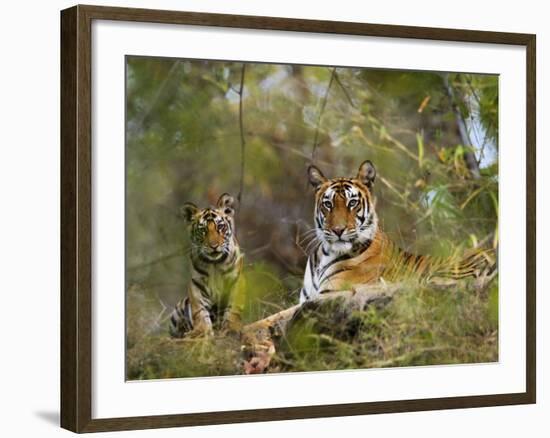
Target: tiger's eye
{"points": [[221, 228], [353, 203], [327, 205]]}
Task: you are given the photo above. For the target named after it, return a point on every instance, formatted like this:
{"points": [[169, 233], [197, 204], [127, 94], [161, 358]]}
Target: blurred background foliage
{"points": [[196, 129]]}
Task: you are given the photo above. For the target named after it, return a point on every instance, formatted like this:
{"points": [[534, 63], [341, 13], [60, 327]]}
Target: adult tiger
{"points": [[352, 248], [215, 294]]}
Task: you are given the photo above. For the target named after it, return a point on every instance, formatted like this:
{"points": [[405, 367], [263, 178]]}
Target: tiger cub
{"points": [[215, 294], [352, 248]]}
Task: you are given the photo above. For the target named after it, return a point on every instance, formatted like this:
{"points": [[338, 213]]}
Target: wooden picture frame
{"points": [[76, 217]]}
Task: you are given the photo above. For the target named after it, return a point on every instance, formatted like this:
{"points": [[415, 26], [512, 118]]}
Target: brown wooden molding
{"points": [[76, 222]]}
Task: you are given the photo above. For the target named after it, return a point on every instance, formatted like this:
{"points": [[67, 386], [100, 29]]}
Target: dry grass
{"points": [[418, 327]]}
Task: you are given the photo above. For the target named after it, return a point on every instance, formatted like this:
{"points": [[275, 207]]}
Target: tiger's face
{"points": [[344, 209], [211, 229]]}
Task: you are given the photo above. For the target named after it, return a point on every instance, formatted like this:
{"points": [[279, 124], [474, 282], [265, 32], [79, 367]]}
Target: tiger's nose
{"points": [[338, 231], [214, 245]]}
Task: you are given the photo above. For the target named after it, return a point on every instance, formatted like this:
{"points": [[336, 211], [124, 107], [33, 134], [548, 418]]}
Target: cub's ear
{"points": [[316, 177], [227, 203], [188, 210], [367, 173]]}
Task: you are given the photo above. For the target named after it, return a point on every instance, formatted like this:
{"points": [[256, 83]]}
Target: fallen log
{"points": [[356, 299], [257, 338]]}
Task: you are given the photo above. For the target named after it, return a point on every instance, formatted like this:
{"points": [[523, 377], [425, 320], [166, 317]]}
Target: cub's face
{"points": [[344, 210], [211, 229]]}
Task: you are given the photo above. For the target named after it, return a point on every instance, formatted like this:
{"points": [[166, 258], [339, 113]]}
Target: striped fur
{"points": [[352, 250], [215, 291]]}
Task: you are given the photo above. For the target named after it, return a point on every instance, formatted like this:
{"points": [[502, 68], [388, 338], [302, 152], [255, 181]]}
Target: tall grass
{"points": [[419, 326]]}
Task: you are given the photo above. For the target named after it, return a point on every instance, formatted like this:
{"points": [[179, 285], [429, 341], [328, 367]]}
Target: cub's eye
{"points": [[327, 205], [353, 203], [222, 228]]}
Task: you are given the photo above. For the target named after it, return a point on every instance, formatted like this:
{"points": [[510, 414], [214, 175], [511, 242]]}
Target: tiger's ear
{"points": [[367, 173], [227, 203], [316, 177], [188, 210]]}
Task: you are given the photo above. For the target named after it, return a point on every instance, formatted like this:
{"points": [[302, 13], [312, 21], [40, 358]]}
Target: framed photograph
{"points": [[268, 218]]}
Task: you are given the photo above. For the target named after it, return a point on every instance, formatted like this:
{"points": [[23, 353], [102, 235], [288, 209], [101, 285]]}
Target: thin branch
{"points": [[320, 115], [241, 128], [344, 89], [160, 319], [286, 147], [472, 89], [400, 193], [398, 144]]}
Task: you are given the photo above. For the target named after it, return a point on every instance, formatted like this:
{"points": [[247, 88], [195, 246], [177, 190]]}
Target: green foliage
{"points": [[183, 143], [418, 327], [266, 293]]}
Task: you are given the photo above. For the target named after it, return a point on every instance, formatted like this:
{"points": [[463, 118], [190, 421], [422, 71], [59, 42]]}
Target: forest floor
{"points": [[417, 327]]}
